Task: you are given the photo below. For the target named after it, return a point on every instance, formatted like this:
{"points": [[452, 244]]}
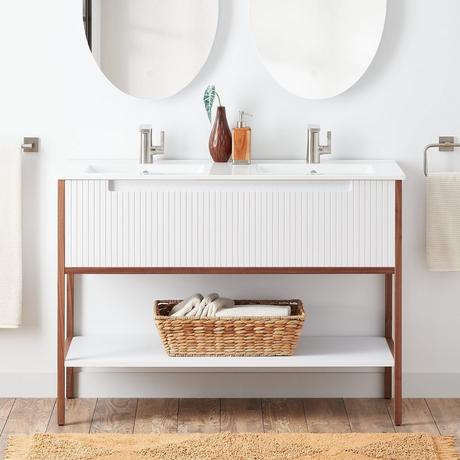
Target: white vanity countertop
{"points": [[271, 170]]}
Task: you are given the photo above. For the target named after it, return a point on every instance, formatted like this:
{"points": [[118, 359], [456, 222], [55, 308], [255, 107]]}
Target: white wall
{"points": [[50, 87]]}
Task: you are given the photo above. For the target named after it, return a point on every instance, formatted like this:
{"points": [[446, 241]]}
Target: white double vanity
{"points": [[200, 214], [268, 217], [337, 217]]}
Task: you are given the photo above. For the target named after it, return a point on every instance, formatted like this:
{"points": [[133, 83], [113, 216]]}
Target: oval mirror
{"points": [[150, 48], [317, 48]]}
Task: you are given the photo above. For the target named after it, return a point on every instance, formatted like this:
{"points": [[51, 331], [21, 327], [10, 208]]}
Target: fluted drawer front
{"points": [[242, 225]]}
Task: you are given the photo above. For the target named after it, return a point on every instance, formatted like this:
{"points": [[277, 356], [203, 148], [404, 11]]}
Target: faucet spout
{"points": [[314, 148]]}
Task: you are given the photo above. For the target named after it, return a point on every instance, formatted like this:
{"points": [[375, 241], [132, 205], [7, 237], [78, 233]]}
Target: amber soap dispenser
{"points": [[241, 141]]}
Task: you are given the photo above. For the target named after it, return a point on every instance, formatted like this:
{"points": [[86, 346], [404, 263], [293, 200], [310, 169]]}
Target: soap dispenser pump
{"points": [[241, 142]]}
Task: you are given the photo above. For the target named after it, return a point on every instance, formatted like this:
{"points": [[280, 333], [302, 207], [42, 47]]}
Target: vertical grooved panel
{"points": [[91, 223], [244, 226], [68, 219]]}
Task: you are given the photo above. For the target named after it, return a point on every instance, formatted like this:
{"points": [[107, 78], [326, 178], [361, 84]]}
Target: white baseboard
{"points": [[145, 384], [431, 385]]}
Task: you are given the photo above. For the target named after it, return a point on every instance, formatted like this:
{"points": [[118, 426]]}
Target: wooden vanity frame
{"points": [[393, 301]]}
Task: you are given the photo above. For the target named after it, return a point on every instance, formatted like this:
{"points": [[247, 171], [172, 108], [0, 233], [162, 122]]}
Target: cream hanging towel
{"points": [[443, 221], [10, 237]]}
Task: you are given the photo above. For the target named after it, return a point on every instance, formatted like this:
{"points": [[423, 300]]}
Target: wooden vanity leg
{"points": [[398, 306], [388, 330], [69, 389], [61, 305]]}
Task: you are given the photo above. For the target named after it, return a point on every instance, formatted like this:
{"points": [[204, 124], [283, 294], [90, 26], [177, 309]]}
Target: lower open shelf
{"points": [[146, 351]]}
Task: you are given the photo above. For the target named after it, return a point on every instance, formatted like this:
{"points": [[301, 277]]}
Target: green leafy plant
{"points": [[208, 99]]}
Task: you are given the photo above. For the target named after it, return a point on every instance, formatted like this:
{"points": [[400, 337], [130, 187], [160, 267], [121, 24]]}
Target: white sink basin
{"points": [[329, 169], [202, 170], [174, 169], [166, 168]]}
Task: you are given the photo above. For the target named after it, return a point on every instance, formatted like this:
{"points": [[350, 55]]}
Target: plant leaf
{"points": [[208, 99]]}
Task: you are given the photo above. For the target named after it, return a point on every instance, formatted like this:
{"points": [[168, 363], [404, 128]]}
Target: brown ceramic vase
{"points": [[220, 140]]}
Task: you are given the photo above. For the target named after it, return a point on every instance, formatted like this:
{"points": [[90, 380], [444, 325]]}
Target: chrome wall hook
{"points": [[30, 144]]}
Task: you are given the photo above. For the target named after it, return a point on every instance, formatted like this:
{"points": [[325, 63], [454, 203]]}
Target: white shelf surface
{"points": [[146, 351]]}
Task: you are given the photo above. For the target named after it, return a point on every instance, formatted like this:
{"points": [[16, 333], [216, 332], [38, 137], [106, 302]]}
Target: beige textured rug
{"points": [[229, 446]]}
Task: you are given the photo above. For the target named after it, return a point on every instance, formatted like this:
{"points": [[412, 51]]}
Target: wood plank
{"points": [[6, 405], [69, 372], [389, 332], [228, 270], [284, 415], [199, 416], [326, 416], [241, 415], [79, 413], [156, 416], [61, 304], [3, 444], [417, 417], [114, 415], [398, 315], [29, 415], [446, 414], [369, 416]]}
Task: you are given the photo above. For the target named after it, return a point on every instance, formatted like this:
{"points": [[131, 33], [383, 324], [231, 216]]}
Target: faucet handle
{"points": [[161, 146], [326, 149]]}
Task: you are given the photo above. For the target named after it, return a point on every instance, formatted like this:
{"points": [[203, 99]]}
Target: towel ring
{"points": [[446, 144]]}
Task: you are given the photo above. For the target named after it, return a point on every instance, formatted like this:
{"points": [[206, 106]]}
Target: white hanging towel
{"points": [[10, 237], [443, 221]]}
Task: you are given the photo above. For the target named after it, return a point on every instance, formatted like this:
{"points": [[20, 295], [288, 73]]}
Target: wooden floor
{"points": [[24, 416]]}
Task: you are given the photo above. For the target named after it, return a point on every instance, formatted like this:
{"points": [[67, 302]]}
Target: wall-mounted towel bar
{"points": [[446, 144], [30, 144]]}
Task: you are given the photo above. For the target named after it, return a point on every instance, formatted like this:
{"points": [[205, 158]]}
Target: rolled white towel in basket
{"points": [[182, 308], [198, 310], [254, 310], [217, 305], [212, 306]]}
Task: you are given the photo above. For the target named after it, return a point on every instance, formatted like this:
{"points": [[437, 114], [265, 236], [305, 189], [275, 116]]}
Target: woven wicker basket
{"points": [[244, 336]]}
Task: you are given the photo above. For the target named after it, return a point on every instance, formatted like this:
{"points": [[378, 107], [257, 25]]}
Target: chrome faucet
{"points": [[314, 148], [148, 151]]}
